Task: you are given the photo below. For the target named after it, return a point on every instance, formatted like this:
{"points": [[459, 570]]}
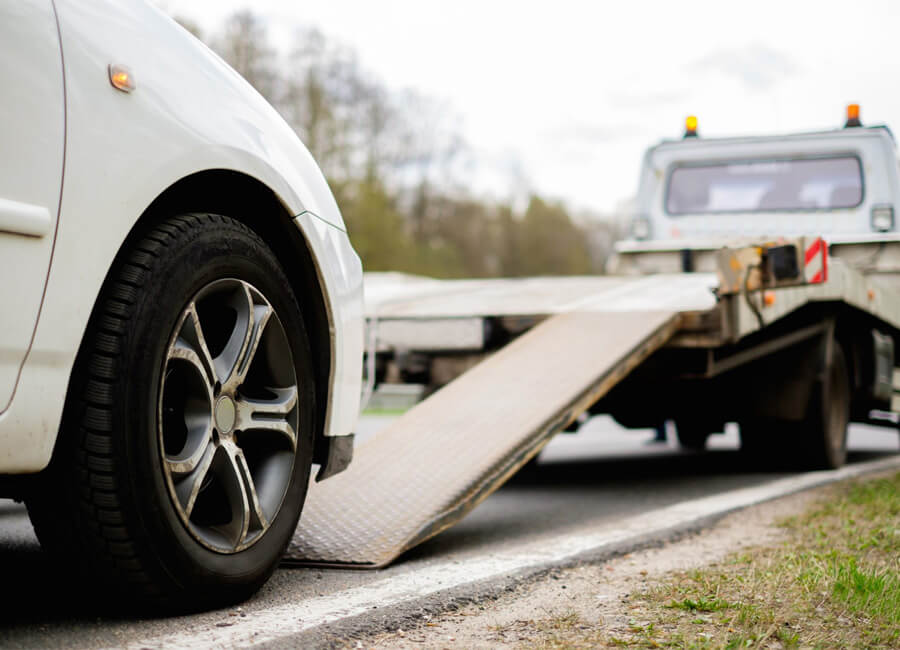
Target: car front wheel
{"points": [[186, 444]]}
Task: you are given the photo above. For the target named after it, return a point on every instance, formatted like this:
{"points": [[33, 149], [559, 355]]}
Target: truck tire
{"points": [[761, 441], [817, 442], [186, 442], [692, 435], [824, 432]]}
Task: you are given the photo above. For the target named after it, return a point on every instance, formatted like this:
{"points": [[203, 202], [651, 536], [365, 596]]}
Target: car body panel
{"points": [[341, 271], [32, 135], [189, 112]]}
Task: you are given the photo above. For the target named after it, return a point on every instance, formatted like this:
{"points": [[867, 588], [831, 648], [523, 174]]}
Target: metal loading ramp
{"points": [[434, 464]]}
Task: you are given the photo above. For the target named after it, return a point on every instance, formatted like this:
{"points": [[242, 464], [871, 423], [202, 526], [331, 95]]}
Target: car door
{"points": [[32, 136]]}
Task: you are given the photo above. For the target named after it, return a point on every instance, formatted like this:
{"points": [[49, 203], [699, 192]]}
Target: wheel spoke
{"points": [[253, 314], [191, 346], [258, 518], [188, 460], [192, 475], [185, 422], [247, 516], [268, 414]]}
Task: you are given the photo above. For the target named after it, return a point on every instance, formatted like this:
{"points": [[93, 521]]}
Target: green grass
{"points": [[702, 604], [565, 621], [870, 592], [834, 583], [393, 412]]}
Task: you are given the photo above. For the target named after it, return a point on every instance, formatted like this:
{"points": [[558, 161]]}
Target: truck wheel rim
{"points": [[228, 415]]}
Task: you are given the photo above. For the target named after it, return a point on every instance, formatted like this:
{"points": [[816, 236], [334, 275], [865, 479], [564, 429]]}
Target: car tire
{"points": [[179, 476]]}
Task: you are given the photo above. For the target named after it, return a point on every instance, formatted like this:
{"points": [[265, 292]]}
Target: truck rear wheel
{"points": [[824, 432], [817, 442], [760, 439], [692, 435]]}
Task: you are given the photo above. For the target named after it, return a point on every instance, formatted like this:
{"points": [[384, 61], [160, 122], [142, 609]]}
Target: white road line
{"points": [[287, 620]]}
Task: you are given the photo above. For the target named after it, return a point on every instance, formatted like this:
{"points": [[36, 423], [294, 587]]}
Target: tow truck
{"points": [[761, 286]]}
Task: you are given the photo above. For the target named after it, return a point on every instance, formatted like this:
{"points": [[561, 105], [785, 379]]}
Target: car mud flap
{"points": [[434, 464]]}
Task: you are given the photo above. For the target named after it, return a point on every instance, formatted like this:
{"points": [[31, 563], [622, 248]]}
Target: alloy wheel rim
{"points": [[228, 415]]}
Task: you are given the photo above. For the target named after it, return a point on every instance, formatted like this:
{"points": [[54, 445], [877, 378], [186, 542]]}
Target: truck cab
{"points": [[699, 194]]}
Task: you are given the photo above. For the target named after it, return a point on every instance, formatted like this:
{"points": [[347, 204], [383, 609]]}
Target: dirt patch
{"points": [[592, 596]]}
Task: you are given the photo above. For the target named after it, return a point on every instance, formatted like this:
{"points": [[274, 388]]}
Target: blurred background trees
{"points": [[390, 155]]}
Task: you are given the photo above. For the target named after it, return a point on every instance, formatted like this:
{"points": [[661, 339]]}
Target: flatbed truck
{"points": [[760, 287]]}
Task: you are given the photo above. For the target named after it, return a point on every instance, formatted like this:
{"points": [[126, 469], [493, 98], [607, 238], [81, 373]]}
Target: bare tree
{"points": [[244, 44], [189, 25], [324, 97], [389, 156]]}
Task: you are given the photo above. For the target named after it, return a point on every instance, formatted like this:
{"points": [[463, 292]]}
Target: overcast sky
{"points": [[576, 90]]}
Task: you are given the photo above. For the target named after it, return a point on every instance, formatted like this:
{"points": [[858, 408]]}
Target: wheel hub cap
{"points": [[226, 412]]}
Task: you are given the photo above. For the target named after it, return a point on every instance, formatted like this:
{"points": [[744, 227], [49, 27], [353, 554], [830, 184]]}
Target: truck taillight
{"points": [[882, 218]]}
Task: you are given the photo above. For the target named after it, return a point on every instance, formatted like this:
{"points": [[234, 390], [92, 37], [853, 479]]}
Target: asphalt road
{"points": [[582, 482]]}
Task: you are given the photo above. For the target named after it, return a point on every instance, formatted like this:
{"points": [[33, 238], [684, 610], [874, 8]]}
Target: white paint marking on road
{"points": [[287, 620]]}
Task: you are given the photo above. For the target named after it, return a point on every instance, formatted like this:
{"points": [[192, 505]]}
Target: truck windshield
{"points": [[765, 185]]}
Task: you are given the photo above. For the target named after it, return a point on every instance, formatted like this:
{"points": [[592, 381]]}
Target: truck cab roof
{"points": [[873, 130], [839, 183]]}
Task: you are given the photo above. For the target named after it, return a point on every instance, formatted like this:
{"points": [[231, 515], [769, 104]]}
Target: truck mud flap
{"points": [[433, 465]]}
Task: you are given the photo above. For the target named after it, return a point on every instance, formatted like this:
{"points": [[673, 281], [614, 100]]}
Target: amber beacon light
{"points": [[690, 126], [852, 116], [121, 78]]}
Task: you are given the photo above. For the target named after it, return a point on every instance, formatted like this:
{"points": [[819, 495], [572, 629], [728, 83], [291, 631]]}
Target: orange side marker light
{"points": [[121, 78]]}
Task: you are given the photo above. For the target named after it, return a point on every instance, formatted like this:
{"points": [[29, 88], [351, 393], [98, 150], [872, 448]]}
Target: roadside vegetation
{"points": [[834, 583], [401, 170]]}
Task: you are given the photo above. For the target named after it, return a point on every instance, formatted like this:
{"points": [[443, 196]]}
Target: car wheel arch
{"points": [[246, 199]]}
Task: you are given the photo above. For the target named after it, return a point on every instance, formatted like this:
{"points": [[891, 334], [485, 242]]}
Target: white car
{"points": [[180, 305]]}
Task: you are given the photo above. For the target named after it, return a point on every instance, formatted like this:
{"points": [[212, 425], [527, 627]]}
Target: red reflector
{"points": [[815, 269]]}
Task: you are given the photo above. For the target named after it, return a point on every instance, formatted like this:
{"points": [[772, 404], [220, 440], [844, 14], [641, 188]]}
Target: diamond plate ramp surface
{"points": [[434, 464]]}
